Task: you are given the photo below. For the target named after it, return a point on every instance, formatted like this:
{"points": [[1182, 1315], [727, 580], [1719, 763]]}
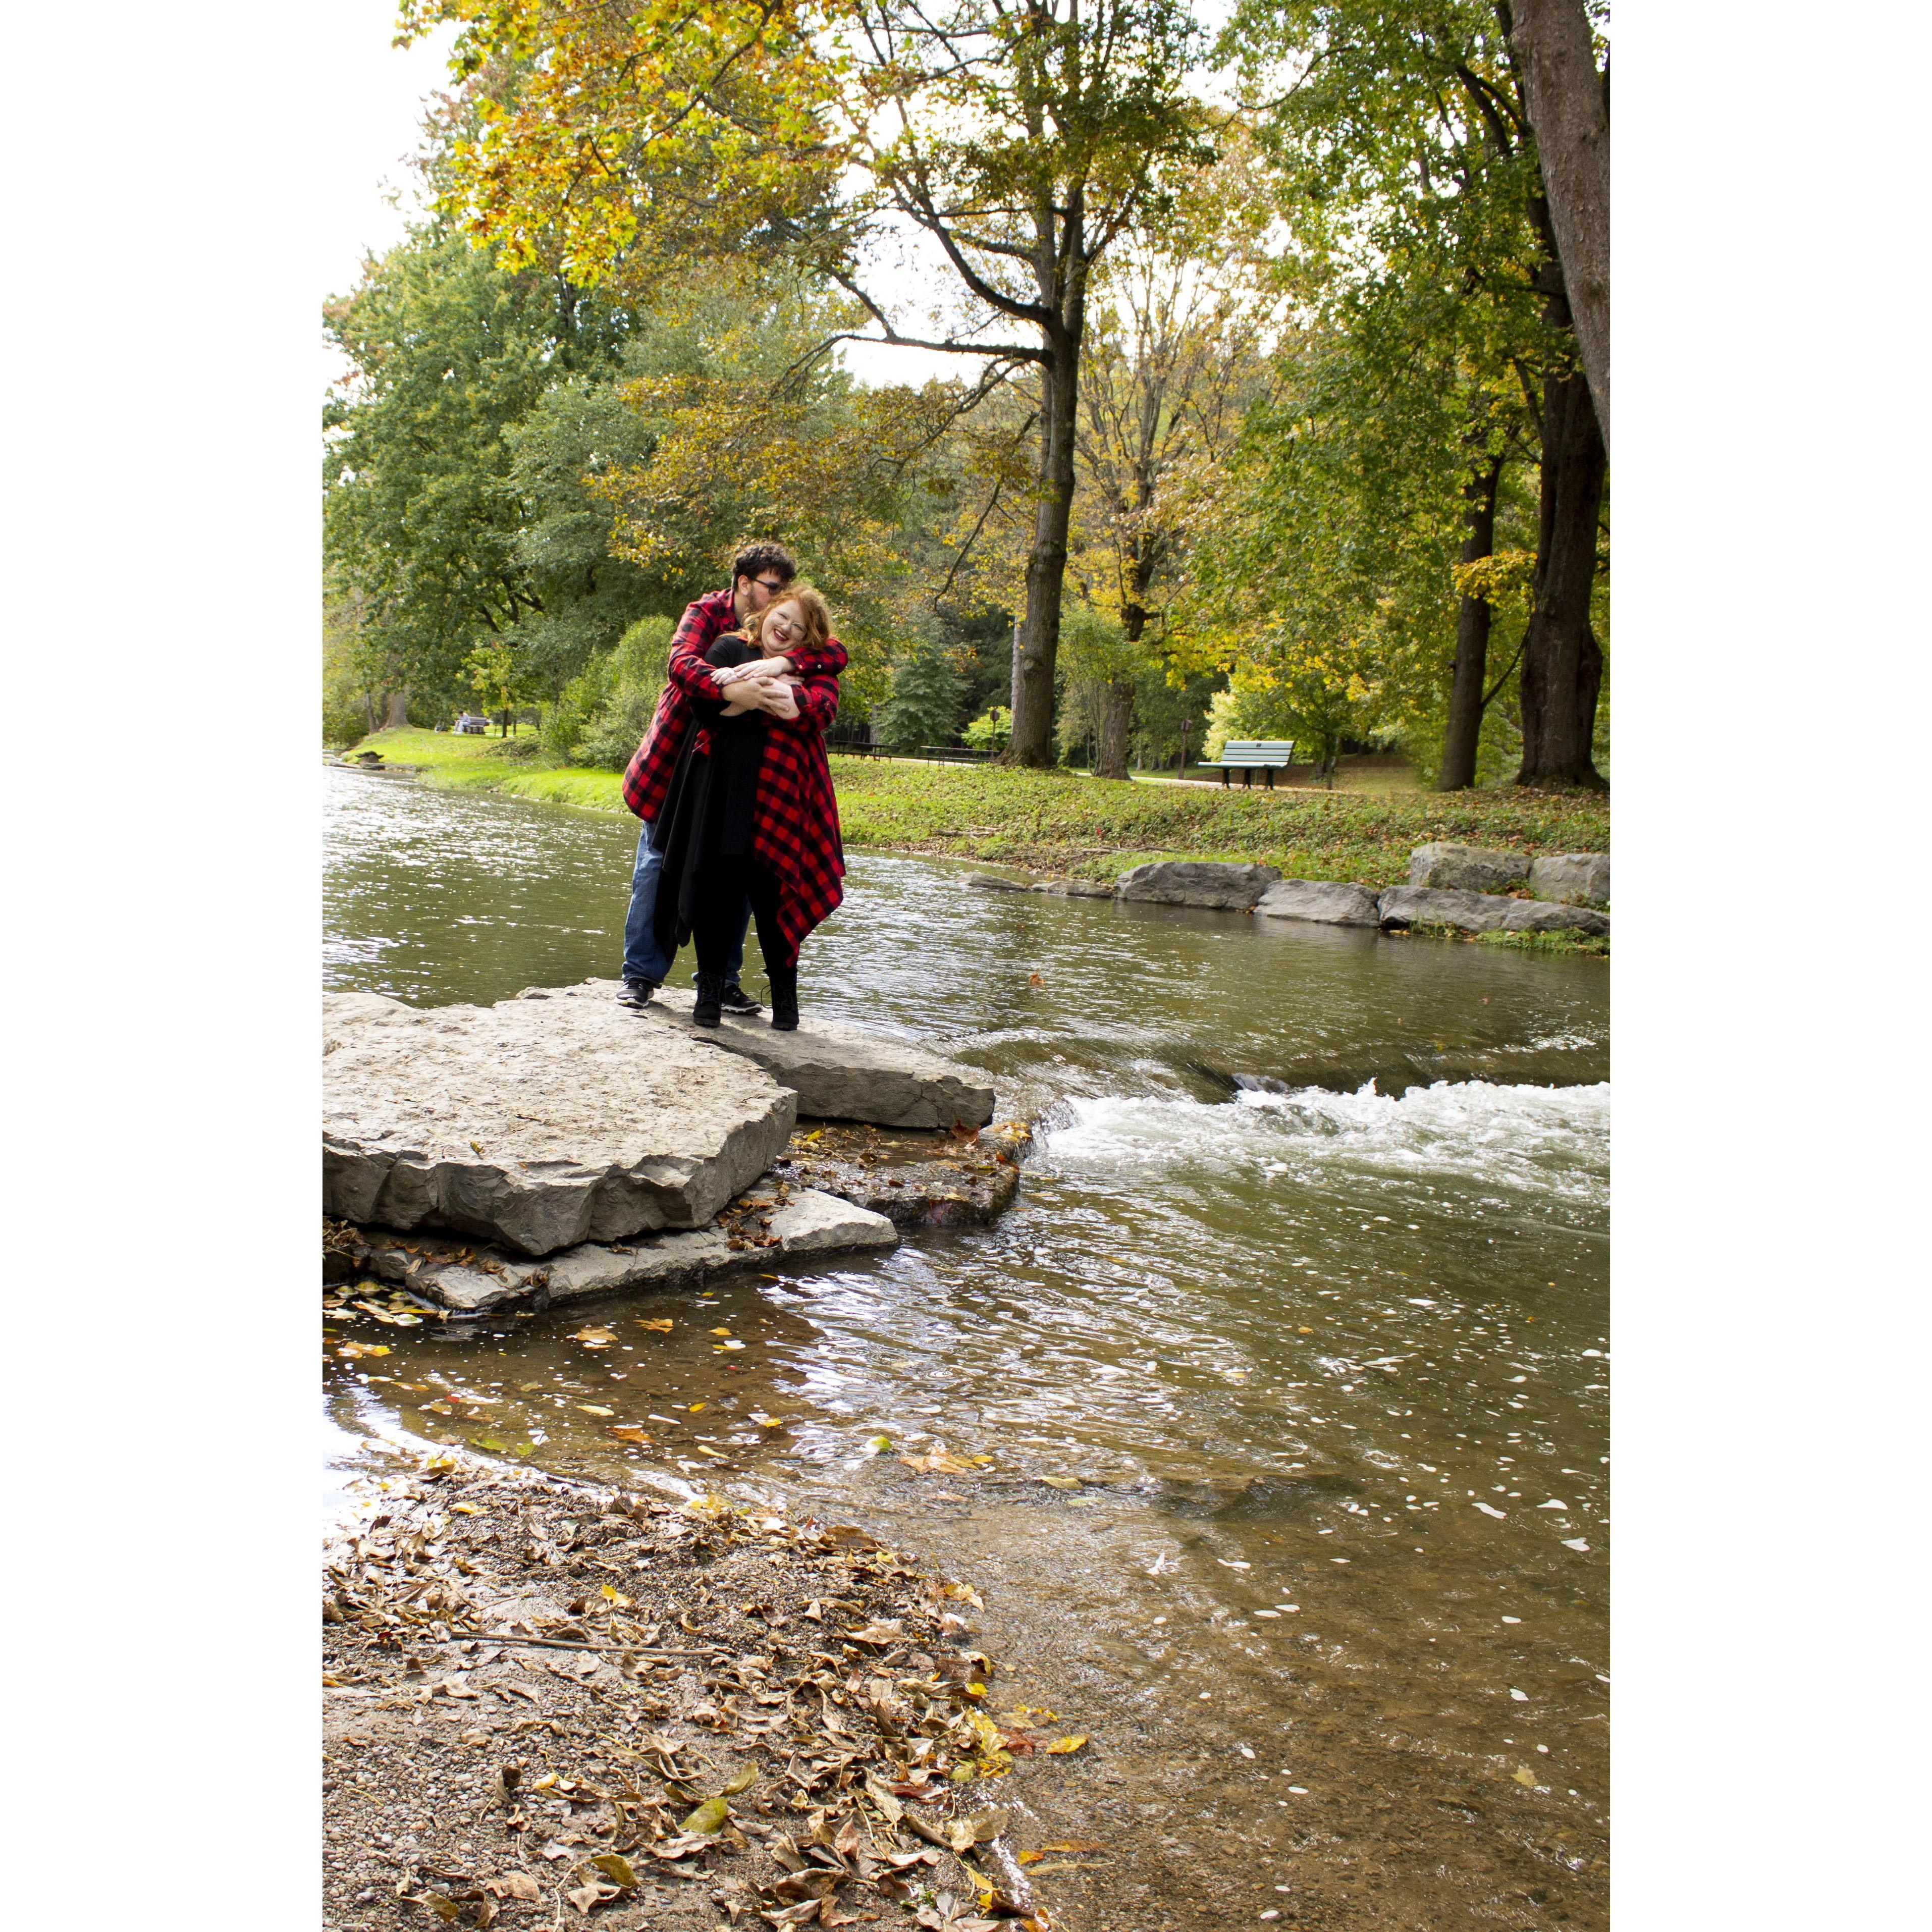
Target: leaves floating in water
{"points": [[626, 1432], [594, 1338], [591, 1409], [1061, 1482], [663, 1327], [725, 1332], [352, 1352]]}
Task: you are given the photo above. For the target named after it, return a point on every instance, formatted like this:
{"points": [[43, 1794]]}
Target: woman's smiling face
{"points": [[784, 626]]}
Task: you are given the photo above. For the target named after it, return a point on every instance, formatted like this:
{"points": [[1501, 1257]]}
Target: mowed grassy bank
{"points": [[1057, 822]]}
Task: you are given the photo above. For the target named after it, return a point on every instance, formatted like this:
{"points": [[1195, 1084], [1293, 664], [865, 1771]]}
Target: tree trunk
{"points": [[1562, 664], [1116, 721], [1570, 110], [369, 706], [399, 713], [1466, 702], [1037, 646]]}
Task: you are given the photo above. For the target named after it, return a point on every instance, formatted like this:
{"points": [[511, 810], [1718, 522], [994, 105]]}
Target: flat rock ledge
{"points": [[537, 1125], [836, 1072], [764, 1226]]}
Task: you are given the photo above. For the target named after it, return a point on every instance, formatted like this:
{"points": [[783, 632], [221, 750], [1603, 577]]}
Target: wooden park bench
{"points": [[1250, 755]]}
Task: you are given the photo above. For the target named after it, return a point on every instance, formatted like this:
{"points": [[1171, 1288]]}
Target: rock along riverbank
{"points": [[557, 1146], [1463, 890]]}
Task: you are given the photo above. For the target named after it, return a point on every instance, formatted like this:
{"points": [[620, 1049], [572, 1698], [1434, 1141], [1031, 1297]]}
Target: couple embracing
{"points": [[733, 786]]}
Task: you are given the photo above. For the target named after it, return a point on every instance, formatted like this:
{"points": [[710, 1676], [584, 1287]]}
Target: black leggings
{"points": [[720, 891]]}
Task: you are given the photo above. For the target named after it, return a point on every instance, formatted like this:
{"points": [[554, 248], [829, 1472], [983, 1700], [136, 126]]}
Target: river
{"points": [[1302, 1308]]}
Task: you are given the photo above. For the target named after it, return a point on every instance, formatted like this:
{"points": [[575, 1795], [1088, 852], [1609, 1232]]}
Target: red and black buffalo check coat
{"points": [[795, 825]]}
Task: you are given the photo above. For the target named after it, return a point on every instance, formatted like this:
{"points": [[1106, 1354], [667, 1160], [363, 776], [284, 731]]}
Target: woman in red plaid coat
{"points": [[750, 812]]}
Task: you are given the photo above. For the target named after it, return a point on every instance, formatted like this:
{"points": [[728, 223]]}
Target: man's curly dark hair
{"points": [[755, 560]]}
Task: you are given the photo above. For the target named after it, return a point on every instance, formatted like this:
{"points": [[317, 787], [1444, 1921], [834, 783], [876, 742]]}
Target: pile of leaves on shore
{"points": [[547, 1702]]}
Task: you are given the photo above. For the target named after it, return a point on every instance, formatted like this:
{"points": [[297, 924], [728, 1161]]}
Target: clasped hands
{"points": [[764, 684]]}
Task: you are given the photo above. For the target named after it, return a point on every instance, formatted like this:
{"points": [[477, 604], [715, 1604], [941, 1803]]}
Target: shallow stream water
{"points": [[1301, 1308]]}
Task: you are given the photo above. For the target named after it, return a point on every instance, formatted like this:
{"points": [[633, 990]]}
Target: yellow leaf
{"points": [[352, 1350], [1524, 1775], [693, 1408], [594, 1338], [464, 1509], [725, 1332], [613, 1596], [591, 1408], [1066, 1747], [662, 1327]]}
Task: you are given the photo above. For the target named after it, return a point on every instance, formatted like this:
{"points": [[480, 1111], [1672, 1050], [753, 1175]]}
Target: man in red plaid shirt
{"points": [[759, 573]]}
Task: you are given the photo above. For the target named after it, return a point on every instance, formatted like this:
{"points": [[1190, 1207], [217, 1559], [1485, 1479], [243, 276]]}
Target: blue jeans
{"points": [[643, 958]]}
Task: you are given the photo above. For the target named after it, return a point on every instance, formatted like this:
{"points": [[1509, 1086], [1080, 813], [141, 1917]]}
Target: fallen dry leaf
{"points": [[626, 1432], [591, 1408], [1066, 1747], [663, 1327], [595, 1338]]}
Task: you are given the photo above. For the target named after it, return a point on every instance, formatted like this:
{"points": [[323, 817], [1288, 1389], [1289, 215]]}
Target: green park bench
{"points": [[1250, 755]]}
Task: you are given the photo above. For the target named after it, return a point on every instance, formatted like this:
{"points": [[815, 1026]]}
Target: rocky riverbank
{"points": [[544, 1701], [1461, 890]]}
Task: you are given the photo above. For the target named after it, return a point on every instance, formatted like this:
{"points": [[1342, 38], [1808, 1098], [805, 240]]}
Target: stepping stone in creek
{"points": [[838, 1073], [537, 1123]]}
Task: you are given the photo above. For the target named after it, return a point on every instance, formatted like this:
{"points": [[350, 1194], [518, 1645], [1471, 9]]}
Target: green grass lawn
{"points": [[1057, 821]]}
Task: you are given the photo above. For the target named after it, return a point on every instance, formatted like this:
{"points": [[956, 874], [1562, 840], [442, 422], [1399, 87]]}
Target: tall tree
{"points": [[1176, 358], [1371, 107], [1018, 142], [1569, 103]]}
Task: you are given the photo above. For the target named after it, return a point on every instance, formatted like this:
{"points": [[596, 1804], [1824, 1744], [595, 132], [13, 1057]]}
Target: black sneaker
{"points": [[637, 992], [734, 999]]}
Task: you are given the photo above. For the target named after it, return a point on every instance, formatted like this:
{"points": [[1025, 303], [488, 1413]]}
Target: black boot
{"points": [[785, 996], [708, 1011]]}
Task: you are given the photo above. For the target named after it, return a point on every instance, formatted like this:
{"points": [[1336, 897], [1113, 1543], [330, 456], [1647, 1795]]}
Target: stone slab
{"points": [[766, 1226], [1484, 912], [1572, 878], [1196, 882], [1325, 902], [837, 1071], [537, 1124], [1466, 868]]}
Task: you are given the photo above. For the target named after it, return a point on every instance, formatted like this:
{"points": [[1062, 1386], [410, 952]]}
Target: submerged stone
{"points": [[537, 1124]]}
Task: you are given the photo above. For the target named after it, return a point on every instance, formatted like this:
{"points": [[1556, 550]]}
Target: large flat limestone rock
{"points": [[838, 1073], [537, 1123], [769, 1225]]}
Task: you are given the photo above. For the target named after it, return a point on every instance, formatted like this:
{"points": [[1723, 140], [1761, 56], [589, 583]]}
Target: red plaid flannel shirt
{"points": [[795, 828]]}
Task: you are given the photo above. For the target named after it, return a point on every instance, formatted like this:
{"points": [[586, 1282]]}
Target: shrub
{"points": [[604, 712], [991, 730]]}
